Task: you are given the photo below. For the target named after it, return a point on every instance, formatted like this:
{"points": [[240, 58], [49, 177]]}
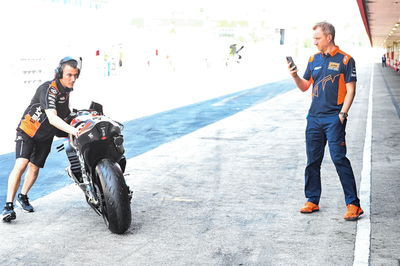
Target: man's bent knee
{"points": [[20, 165], [33, 166]]}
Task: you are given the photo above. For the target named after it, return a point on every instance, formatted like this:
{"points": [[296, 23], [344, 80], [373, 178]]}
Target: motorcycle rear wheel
{"points": [[115, 201]]}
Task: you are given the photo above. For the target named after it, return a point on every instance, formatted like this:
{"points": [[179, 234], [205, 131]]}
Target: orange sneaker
{"points": [[309, 207], [353, 212]]}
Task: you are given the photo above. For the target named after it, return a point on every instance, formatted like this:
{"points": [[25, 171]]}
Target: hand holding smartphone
{"points": [[290, 61]]}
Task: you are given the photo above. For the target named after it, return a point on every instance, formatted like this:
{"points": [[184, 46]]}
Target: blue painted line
{"points": [[146, 133]]}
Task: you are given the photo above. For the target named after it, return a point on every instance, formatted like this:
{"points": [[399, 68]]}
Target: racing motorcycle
{"points": [[97, 165]]}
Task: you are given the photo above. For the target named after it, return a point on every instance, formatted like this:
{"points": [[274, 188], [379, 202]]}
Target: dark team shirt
{"points": [[329, 75], [49, 95]]}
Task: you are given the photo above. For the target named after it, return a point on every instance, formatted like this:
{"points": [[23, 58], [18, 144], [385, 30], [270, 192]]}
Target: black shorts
{"points": [[35, 151]]}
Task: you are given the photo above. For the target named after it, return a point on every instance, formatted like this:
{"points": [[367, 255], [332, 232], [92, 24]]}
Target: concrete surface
{"points": [[229, 194]]}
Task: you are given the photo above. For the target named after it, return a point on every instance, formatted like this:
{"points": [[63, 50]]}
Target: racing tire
{"points": [[115, 201]]}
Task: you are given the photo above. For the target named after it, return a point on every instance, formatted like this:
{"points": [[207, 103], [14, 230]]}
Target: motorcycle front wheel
{"points": [[115, 201]]}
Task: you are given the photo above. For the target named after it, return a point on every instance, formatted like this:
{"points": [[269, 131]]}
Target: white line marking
{"points": [[363, 238]]}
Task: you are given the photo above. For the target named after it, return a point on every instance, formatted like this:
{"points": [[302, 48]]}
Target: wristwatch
{"points": [[344, 114]]}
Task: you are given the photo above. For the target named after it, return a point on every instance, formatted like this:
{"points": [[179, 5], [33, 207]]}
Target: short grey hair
{"points": [[327, 28]]}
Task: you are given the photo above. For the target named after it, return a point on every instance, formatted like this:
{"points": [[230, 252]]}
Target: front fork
{"points": [[87, 184]]}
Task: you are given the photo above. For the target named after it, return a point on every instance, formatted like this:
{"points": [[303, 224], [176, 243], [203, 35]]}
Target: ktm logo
{"points": [[322, 83], [37, 114]]}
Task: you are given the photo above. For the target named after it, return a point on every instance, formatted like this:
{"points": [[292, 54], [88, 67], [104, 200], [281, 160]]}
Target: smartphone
{"points": [[290, 60]]}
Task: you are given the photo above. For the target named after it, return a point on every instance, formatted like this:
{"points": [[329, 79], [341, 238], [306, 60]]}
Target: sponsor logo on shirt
{"points": [[36, 115], [353, 73], [52, 91], [333, 66], [62, 99]]}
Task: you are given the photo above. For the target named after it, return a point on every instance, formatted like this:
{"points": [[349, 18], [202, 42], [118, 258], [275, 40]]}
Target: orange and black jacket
{"points": [[49, 95]]}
